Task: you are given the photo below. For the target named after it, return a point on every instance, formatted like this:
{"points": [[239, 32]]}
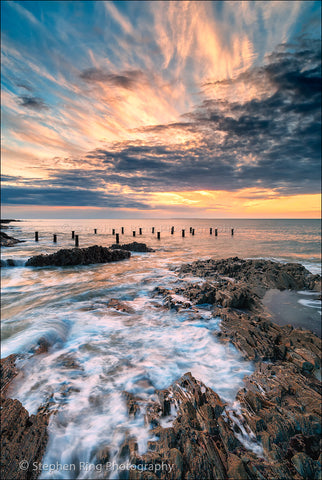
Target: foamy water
{"points": [[97, 352]]}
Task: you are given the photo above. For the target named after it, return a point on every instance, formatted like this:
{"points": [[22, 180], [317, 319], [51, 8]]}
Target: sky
{"points": [[147, 109]]}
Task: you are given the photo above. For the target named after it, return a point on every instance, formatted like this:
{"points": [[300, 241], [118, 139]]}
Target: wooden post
{"points": [[36, 237], [182, 233], [172, 230], [158, 234], [122, 230], [140, 231], [133, 233], [73, 234], [117, 238], [210, 231], [76, 241], [113, 231], [232, 231], [190, 229], [55, 238], [152, 229], [193, 231], [216, 232], [95, 231]]}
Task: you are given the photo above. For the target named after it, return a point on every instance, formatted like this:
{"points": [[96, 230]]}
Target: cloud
{"points": [[271, 141], [34, 103], [127, 79], [59, 196]]}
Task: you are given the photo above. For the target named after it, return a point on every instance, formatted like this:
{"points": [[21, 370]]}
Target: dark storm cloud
{"points": [[58, 196], [35, 103], [127, 79]]}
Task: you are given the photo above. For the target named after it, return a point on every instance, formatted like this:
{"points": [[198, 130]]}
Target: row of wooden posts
{"points": [[117, 235]]}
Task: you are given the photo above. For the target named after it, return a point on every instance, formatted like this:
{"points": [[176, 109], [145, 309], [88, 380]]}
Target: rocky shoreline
{"points": [[278, 411], [7, 241]]}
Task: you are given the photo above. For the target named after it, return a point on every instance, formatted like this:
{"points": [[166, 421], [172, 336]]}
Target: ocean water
{"points": [[97, 352]]}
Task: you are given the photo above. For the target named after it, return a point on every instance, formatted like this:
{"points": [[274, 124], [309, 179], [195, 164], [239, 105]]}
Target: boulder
{"points": [[78, 256], [132, 247]]}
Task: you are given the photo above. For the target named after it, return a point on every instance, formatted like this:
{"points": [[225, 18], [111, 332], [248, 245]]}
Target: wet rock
{"points": [[78, 256], [23, 437], [132, 247], [132, 403], [120, 306], [282, 407], [280, 403], [304, 465], [259, 275], [7, 241], [43, 346], [201, 443], [260, 339], [8, 371]]}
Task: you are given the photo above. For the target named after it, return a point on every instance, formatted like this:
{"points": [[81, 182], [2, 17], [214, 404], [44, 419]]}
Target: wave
{"points": [[13, 262]]}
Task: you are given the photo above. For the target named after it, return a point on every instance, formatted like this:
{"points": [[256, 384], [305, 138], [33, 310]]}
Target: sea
{"points": [[96, 352]]}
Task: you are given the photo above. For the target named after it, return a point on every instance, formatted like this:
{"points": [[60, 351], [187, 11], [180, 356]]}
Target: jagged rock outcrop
{"points": [[280, 403], [280, 410], [7, 241], [78, 256], [132, 247], [23, 436], [259, 275]]}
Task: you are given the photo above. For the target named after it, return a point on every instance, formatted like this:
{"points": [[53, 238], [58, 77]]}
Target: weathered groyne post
{"points": [[117, 238], [193, 231], [158, 235], [55, 238], [122, 230], [232, 231], [140, 231], [216, 232], [36, 236], [133, 233], [76, 241], [95, 231], [182, 233], [73, 234], [113, 231], [210, 231], [152, 229], [172, 230], [190, 229]]}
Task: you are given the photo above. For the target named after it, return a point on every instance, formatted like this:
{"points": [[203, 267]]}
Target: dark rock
{"points": [[132, 247], [8, 371], [121, 306], [259, 275], [7, 241], [200, 444], [23, 437], [304, 465], [78, 256], [9, 220]]}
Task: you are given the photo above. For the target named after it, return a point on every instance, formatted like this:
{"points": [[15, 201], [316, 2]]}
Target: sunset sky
{"points": [[154, 109]]}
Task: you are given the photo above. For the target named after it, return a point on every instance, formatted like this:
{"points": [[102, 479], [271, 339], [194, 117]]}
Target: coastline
{"points": [[279, 402]]}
